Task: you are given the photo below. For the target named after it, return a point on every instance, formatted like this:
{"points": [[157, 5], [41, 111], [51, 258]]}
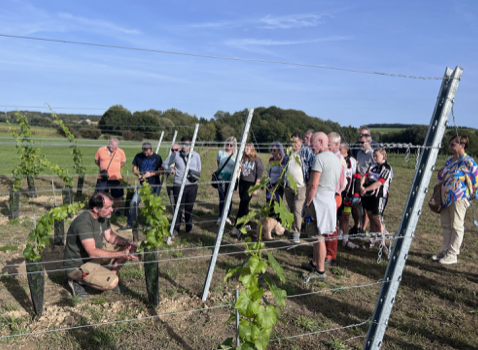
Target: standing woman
{"points": [[459, 183], [226, 159], [374, 190], [275, 173], [251, 174]]}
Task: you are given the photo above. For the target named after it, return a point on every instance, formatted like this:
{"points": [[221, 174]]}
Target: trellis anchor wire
{"points": [[411, 213]]}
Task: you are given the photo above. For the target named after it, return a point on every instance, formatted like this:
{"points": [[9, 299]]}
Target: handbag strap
{"points": [[225, 163], [111, 159]]}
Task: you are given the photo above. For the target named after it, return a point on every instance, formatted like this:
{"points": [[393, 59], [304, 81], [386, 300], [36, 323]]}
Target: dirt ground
{"points": [[435, 307]]}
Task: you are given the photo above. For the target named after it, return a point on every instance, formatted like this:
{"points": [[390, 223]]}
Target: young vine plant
{"points": [[40, 235], [157, 224], [258, 315]]}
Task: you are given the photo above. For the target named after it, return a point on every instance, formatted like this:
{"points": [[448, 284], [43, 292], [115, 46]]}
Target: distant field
{"points": [[387, 130]]}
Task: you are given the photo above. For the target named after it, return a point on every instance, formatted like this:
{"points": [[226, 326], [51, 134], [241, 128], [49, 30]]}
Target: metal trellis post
{"points": [[183, 184], [169, 154], [212, 264], [411, 213], [160, 140]]}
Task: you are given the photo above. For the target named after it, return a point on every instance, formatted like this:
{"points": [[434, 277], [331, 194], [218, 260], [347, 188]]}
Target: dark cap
{"points": [[147, 145]]}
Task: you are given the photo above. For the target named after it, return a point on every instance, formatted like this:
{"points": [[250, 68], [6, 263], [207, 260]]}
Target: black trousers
{"points": [[187, 203], [245, 198]]}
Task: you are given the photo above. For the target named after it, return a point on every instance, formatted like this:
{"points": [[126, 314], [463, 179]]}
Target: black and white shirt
{"points": [[379, 172]]}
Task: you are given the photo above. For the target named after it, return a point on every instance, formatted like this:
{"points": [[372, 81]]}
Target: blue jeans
{"points": [[133, 206]]}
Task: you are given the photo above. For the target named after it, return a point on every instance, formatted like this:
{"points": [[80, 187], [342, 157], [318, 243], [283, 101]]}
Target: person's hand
{"points": [[133, 246], [173, 171], [148, 174], [128, 254], [254, 193], [362, 191]]}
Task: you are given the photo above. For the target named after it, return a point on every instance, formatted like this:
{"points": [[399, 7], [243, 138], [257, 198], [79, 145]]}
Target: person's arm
{"points": [[199, 162], [123, 159], [372, 187], [167, 164], [312, 187], [93, 252], [97, 157], [137, 173]]}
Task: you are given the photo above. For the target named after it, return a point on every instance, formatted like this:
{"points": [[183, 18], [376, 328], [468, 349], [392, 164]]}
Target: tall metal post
{"points": [[160, 140], [169, 154], [411, 213], [183, 184], [212, 263]]}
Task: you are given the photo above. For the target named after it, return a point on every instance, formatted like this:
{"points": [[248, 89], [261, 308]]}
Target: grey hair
{"points": [[114, 139], [334, 138], [310, 131]]}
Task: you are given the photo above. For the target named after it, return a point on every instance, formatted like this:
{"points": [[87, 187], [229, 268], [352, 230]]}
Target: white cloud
{"points": [[291, 21], [95, 24], [215, 24], [246, 43]]}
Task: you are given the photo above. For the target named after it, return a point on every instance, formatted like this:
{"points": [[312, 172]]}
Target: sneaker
{"points": [[354, 230], [315, 275], [438, 256], [228, 221], [448, 260], [330, 262], [77, 289], [248, 228], [350, 245], [218, 221], [175, 234], [308, 266], [294, 238], [125, 228], [192, 233]]}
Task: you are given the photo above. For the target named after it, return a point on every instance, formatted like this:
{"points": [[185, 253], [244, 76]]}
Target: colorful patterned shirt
{"points": [[460, 180]]}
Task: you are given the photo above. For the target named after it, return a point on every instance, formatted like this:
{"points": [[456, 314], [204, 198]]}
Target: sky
{"points": [[418, 38]]}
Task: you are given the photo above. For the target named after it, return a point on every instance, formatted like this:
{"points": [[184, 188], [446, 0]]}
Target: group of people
{"points": [[331, 183]]}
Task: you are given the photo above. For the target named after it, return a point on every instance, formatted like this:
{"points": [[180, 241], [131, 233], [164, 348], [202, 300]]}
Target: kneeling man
{"points": [[94, 253]]}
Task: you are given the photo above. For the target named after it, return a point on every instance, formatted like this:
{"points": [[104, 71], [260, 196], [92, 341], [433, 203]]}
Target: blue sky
{"points": [[416, 38]]}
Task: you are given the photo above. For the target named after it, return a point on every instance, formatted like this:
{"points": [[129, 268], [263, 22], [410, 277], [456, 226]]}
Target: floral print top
{"points": [[459, 180]]}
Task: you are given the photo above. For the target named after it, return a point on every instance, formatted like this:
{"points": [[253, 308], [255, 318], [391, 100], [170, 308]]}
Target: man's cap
{"points": [[147, 145]]}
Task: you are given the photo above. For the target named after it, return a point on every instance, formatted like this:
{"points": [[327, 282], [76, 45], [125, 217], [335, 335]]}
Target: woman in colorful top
{"points": [[459, 183], [251, 174], [275, 172], [226, 159], [374, 189]]}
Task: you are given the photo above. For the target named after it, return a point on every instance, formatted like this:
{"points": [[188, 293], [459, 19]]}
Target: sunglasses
{"points": [[174, 150], [366, 135], [274, 150], [229, 145]]}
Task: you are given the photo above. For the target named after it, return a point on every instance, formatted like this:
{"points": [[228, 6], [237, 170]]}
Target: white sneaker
{"points": [[448, 260], [229, 221], [438, 256], [351, 245], [218, 221], [340, 234]]}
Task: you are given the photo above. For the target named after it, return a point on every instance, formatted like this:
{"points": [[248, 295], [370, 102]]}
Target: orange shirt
{"points": [[104, 156]]}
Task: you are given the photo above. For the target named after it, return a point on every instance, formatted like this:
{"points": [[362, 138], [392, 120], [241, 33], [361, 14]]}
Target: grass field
{"points": [[435, 308]]}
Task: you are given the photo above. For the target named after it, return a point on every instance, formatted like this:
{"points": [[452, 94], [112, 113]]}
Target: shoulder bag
{"points": [[193, 175], [215, 174], [104, 173]]}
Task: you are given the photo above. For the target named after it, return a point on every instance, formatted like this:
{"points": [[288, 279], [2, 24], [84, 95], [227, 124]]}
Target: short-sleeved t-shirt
{"points": [[330, 168], [222, 157], [364, 160], [150, 163], [104, 156], [83, 227]]}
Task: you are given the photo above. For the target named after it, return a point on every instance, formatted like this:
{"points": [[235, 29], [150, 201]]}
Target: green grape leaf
{"points": [[256, 265], [285, 215], [266, 316], [277, 268], [291, 182], [245, 219], [279, 294], [245, 330], [242, 301]]}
